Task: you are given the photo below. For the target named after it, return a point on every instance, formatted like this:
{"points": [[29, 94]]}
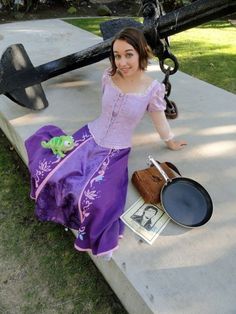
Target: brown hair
{"points": [[136, 39]]}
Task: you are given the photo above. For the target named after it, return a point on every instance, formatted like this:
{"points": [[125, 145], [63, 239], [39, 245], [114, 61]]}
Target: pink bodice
{"points": [[121, 112]]}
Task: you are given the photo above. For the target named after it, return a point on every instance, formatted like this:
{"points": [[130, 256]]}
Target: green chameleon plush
{"points": [[59, 144]]}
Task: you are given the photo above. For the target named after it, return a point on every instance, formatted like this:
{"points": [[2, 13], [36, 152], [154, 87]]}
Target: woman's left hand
{"points": [[176, 145]]}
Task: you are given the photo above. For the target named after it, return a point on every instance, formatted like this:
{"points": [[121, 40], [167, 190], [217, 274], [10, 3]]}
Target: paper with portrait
{"points": [[146, 220]]}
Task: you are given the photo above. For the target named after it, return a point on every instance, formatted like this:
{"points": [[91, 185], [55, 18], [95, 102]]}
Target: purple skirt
{"points": [[86, 190]]}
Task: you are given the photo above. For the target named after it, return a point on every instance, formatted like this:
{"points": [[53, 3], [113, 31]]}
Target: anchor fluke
{"points": [[19, 80]]}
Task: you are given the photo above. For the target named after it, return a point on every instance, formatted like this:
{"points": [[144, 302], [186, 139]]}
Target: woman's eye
{"points": [[129, 55], [117, 57]]}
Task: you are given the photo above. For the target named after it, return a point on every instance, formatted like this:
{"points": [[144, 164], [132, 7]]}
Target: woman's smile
{"points": [[126, 58]]}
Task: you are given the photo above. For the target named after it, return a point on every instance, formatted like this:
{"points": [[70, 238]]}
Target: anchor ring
{"points": [[171, 70]]}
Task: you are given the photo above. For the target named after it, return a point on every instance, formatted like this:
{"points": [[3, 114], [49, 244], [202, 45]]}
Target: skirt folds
{"points": [[85, 191]]}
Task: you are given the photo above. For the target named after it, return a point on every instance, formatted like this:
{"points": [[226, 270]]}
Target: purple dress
{"points": [[86, 190]]}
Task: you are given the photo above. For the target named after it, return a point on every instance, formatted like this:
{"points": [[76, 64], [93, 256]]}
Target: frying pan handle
{"points": [[153, 161]]}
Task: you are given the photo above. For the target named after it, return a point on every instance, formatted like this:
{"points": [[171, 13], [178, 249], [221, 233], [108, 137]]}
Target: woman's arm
{"points": [[163, 128]]}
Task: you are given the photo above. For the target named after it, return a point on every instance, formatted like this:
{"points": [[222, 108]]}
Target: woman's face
{"points": [[126, 58]]}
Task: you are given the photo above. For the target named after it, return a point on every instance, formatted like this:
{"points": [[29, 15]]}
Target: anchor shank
{"points": [[74, 61]]}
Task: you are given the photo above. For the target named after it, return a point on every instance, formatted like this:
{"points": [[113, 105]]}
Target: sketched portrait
{"points": [[146, 216]]}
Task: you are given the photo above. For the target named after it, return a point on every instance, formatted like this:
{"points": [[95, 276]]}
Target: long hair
{"points": [[136, 39]]}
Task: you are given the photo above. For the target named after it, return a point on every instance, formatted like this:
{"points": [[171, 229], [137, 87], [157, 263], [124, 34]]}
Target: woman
{"points": [[86, 190]]}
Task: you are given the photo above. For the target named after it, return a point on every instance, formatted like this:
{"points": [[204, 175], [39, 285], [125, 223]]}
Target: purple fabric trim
{"points": [[56, 168], [84, 213], [42, 162]]}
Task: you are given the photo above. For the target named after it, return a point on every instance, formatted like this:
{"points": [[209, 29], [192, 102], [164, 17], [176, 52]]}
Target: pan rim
{"points": [[201, 189]]}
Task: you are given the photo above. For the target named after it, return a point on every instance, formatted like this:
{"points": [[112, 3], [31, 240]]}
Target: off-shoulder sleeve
{"points": [[105, 78], [157, 101]]}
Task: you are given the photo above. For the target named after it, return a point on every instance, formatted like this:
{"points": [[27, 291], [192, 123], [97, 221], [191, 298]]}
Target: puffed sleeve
{"points": [[105, 78], [157, 101]]}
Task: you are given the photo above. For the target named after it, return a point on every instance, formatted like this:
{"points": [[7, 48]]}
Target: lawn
{"points": [[208, 52]]}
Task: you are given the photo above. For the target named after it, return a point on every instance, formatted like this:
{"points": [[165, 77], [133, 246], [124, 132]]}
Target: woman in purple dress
{"points": [[86, 189]]}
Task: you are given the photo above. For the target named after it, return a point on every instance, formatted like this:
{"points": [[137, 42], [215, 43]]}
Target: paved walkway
{"points": [[186, 270]]}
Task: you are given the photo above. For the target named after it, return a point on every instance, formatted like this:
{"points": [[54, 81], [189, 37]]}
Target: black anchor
{"points": [[21, 81]]}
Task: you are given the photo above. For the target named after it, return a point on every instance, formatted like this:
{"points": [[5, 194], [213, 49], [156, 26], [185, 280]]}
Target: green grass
{"points": [[207, 52], [40, 271], [92, 24], [89, 24]]}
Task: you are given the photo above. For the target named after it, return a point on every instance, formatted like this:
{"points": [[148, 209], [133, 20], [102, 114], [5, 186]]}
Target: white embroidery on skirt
{"points": [[81, 233], [45, 166], [92, 193]]}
